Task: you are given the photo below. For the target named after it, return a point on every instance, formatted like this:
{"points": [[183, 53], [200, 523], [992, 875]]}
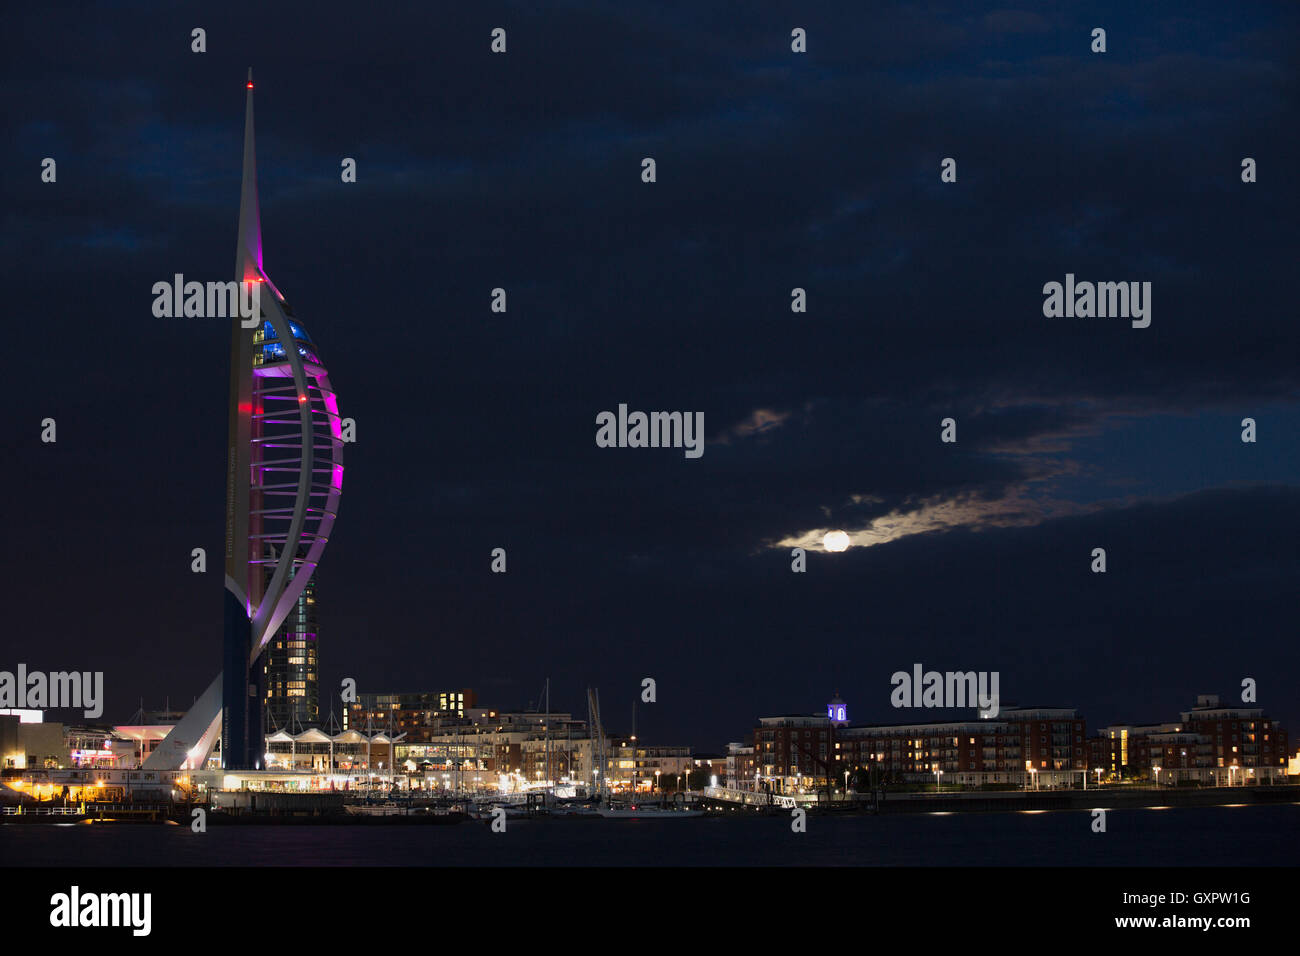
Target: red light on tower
{"points": [[302, 398], [250, 84]]}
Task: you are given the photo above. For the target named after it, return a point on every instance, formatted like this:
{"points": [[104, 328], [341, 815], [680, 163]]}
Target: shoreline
{"points": [[901, 803]]}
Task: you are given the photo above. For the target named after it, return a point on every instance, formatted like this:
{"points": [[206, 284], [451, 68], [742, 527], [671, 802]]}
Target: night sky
{"points": [[774, 170]]}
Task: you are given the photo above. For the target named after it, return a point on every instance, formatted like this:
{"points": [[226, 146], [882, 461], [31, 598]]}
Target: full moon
{"points": [[836, 541]]}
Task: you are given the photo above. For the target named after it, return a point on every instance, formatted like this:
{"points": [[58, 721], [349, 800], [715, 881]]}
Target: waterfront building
{"points": [[490, 749], [108, 785], [709, 770], [145, 738], [411, 711], [561, 759], [1209, 744], [38, 744], [99, 747], [1042, 745], [315, 751], [444, 741], [740, 765], [482, 748], [1243, 737], [632, 765], [30, 743]]}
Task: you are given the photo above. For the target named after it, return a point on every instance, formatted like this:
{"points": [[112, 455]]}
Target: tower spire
{"points": [[248, 262]]}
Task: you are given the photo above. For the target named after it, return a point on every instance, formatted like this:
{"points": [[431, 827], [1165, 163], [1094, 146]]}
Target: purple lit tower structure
{"points": [[283, 481]]}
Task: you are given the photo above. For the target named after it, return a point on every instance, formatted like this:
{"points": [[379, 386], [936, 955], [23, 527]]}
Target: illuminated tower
{"points": [[283, 479]]}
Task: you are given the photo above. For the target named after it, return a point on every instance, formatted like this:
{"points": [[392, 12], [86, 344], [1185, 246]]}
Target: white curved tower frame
{"points": [[297, 470]]}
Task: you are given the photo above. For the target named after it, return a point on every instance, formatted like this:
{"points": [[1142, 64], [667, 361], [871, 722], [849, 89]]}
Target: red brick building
{"points": [[799, 751], [1209, 743]]}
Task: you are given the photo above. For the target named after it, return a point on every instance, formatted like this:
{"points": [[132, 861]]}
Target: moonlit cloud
{"points": [[760, 421], [1018, 507]]}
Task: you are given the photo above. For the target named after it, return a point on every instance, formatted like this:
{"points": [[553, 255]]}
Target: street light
{"points": [[937, 774], [1157, 770]]}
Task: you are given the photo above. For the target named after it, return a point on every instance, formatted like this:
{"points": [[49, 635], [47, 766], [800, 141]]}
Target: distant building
{"points": [[632, 765], [146, 736], [31, 744], [408, 712], [564, 759], [710, 769], [339, 754], [478, 749], [1208, 743], [99, 747], [806, 752], [740, 765]]}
